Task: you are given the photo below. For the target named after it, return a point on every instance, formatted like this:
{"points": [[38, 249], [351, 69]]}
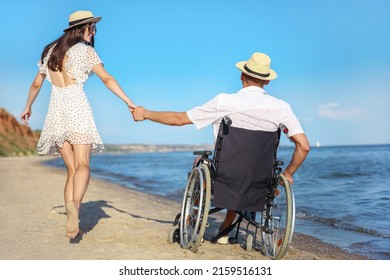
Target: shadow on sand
{"points": [[91, 212]]}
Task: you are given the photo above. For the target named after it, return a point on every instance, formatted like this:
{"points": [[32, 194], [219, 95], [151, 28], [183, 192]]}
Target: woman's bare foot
{"points": [[72, 225]]}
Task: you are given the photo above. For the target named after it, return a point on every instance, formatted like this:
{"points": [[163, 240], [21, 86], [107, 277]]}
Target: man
{"points": [[250, 108]]}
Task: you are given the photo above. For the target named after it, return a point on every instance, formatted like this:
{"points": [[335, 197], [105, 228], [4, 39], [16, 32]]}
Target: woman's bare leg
{"points": [[81, 177], [72, 225], [76, 158]]}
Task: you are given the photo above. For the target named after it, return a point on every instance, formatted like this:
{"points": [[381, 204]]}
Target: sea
{"points": [[342, 195]]}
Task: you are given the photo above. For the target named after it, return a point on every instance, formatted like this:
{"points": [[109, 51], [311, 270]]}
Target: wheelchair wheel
{"points": [[195, 208], [278, 221], [249, 242], [173, 235]]}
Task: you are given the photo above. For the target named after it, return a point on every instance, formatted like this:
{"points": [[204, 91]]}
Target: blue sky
{"points": [[332, 59]]}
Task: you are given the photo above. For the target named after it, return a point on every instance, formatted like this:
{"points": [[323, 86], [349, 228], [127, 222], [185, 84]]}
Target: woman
{"points": [[69, 127]]}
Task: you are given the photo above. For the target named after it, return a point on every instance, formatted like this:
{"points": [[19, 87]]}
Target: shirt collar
{"points": [[253, 90]]}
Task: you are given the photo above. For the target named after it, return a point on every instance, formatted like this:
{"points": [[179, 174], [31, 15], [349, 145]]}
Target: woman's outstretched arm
{"points": [[110, 82]]}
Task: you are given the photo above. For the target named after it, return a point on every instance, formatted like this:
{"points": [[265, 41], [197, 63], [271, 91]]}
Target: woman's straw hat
{"points": [[258, 66], [81, 17]]}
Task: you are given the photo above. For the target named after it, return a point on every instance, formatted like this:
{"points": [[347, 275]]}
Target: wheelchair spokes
{"points": [[195, 208], [278, 221]]}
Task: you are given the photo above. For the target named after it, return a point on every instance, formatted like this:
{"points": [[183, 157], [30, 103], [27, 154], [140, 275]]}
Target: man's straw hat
{"points": [[258, 66], [81, 17]]}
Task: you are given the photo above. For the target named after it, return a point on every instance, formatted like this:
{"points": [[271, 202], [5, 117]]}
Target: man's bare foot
{"points": [[72, 225]]}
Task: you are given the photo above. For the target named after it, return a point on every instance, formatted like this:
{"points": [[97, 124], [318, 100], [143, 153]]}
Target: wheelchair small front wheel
{"points": [[249, 242], [173, 235], [195, 208], [278, 221]]}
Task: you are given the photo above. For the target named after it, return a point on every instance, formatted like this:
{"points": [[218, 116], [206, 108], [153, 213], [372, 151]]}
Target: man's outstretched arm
{"points": [[168, 118]]}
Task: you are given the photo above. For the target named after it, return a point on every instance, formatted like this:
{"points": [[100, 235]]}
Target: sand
{"points": [[118, 223]]}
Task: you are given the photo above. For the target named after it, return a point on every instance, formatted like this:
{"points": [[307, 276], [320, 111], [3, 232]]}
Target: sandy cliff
{"points": [[15, 138]]}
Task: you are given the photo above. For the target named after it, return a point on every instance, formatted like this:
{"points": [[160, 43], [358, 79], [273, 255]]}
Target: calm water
{"points": [[342, 195]]}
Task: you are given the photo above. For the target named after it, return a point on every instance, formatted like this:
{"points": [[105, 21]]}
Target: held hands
{"points": [[138, 113], [131, 105]]}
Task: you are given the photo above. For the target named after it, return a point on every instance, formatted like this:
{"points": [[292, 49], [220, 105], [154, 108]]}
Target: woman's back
{"points": [[61, 79], [77, 66]]}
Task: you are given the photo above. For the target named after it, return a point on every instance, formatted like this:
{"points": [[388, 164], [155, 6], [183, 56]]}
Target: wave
{"points": [[341, 175], [375, 249], [112, 176], [340, 223]]}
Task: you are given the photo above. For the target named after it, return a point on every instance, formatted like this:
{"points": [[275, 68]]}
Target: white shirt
{"points": [[250, 108]]}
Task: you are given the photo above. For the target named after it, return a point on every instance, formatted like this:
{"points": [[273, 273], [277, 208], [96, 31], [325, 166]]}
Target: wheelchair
{"points": [[242, 159]]}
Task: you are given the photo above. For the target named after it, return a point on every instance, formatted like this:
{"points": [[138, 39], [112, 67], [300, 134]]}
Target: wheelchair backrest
{"points": [[242, 145], [244, 167]]}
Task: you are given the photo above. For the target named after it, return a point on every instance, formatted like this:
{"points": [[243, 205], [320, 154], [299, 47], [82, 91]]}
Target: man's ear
{"points": [[266, 82]]}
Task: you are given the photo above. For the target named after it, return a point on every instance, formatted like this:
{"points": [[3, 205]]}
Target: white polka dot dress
{"points": [[69, 117]]}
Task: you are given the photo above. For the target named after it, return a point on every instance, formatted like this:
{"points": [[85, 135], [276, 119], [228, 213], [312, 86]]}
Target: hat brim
{"points": [[95, 19], [272, 73]]}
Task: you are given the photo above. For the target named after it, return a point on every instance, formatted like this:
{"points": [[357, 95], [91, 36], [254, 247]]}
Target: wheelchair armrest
{"points": [[204, 154]]}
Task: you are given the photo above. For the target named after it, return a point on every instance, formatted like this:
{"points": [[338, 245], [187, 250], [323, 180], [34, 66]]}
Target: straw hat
{"points": [[258, 66], [81, 17]]}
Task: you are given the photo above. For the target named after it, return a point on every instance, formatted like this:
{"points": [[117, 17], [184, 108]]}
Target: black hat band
{"points": [[253, 72], [78, 21]]}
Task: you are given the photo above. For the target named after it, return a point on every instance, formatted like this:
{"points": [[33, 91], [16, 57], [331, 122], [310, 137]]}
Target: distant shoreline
{"points": [[146, 148], [140, 148]]}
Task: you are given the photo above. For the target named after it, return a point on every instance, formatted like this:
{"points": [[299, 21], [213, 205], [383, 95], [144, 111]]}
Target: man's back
{"points": [[250, 108]]}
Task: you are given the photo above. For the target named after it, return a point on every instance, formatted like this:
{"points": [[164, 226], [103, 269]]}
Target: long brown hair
{"points": [[62, 45]]}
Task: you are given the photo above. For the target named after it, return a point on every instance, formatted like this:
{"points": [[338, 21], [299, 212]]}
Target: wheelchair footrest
{"points": [[233, 240]]}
